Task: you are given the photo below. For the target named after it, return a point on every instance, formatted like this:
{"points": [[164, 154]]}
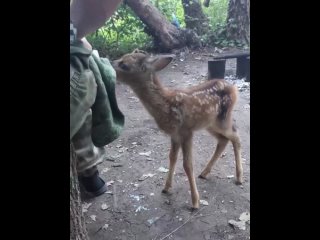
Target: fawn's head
{"points": [[139, 66]]}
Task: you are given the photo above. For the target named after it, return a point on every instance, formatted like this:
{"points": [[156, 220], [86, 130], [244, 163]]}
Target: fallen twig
{"points": [[109, 159], [204, 215], [204, 221], [183, 223]]}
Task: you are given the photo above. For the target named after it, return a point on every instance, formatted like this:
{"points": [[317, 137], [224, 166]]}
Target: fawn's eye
{"points": [[124, 66]]}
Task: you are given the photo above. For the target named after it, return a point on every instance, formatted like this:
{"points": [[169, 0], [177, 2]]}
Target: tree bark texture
{"points": [[78, 230], [194, 17], [166, 35], [238, 21]]}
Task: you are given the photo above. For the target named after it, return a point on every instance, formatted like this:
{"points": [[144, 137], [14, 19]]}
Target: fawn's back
{"points": [[206, 105]]}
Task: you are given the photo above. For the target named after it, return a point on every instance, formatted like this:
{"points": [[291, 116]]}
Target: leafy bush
{"points": [[125, 32], [121, 34]]}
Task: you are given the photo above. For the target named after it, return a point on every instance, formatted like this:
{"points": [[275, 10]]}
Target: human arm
{"points": [[89, 15]]}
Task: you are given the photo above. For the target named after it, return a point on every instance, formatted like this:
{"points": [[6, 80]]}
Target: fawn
{"points": [[181, 112]]}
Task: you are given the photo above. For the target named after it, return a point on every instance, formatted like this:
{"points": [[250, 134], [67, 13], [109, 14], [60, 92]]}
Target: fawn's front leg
{"points": [[173, 156], [188, 167]]}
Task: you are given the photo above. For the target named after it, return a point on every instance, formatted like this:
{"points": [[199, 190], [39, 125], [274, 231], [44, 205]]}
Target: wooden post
{"points": [[248, 70], [242, 65], [216, 68]]}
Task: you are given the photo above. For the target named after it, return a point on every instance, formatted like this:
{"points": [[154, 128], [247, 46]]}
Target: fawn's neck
{"points": [[153, 96]]}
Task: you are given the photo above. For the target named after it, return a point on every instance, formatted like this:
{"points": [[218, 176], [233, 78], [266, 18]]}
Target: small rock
{"points": [[207, 236], [152, 220], [239, 224], [93, 217], [162, 169], [204, 202], [230, 176], [104, 206], [152, 194], [145, 153], [136, 197], [105, 227], [140, 208], [105, 170], [110, 183], [85, 207], [145, 176], [245, 217]]}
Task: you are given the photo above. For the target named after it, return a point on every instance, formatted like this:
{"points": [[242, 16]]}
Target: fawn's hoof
{"points": [[239, 181], [193, 209], [195, 206], [202, 177], [164, 191]]}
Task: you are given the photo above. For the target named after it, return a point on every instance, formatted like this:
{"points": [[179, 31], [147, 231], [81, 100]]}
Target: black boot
{"points": [[93, 185]]}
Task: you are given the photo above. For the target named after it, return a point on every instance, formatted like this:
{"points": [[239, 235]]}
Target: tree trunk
{"points": [[165, 34], [78, 230], [194, 16], [206, 3], [238, 21]]}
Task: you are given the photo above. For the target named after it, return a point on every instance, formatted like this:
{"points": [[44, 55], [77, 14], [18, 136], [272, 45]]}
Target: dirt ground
{"points": [[134, 209]]}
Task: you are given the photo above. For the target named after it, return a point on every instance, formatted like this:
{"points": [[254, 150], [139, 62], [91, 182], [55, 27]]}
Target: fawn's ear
{"points": [[159, 62], [138, 51]]}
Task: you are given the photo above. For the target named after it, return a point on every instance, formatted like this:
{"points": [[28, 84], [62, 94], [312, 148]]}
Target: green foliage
{"points": [[219, 38], [125, 32], [217, 13], [121, 34], [169, 7]]}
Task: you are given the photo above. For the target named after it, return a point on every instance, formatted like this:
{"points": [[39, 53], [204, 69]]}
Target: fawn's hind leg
{"points": [[233, 136], [235, 139], [222, 143]]}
